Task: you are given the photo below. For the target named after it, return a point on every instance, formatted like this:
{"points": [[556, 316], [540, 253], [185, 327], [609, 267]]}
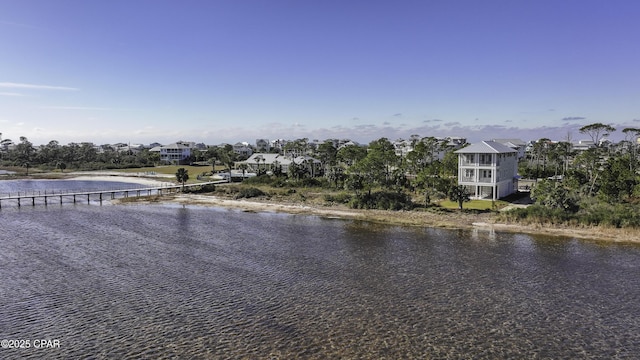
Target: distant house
{"points": [[273, 162], [176, 153], [445, 145], [267, 162], [516, 144], [312, 165], [583, 145], [263, 145], [403, 147], [242, 149], [7, 145], [279, 144], [346, 142], [488, 169], [128, 148]]}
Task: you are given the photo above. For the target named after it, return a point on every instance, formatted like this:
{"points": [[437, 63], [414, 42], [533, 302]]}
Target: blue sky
{"points": [[215, 71]]}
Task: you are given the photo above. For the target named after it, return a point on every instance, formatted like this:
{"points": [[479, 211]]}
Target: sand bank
{"points": [[147, 181]]}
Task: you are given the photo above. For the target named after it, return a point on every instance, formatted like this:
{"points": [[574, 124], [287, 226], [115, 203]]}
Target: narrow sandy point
{"points": [[121, 178]]}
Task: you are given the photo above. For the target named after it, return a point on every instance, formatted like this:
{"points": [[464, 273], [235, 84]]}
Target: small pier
{"points": [[47, 197]]}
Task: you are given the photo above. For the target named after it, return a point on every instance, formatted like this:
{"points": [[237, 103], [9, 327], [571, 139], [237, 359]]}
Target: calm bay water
{"points": [[158, 281], [14, 187]]}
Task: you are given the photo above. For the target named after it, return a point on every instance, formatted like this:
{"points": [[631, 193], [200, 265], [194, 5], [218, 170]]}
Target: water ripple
{"points": [[171, 282]]}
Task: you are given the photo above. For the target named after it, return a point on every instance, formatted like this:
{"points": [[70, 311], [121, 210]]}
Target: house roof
{"points": [[486, 147], [175, 146], [268, 159], [301, 159]]}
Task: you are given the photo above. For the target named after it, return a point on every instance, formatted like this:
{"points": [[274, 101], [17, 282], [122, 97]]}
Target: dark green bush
{"points": [[382, 200], [200, 189], [260, 180], [618, 215], [310, 182], [340, 198], [538, 214], [249, 193]]}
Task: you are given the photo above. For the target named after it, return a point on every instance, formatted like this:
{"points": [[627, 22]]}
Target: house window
{"points": [[486, 174], [468, 173], [485, 158]]}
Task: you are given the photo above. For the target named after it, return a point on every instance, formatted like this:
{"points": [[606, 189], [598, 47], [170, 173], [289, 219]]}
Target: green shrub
{"points": [[601, 213], [537, 214], [249, 193], [259, 180], [340, 198], [269, 180], [310, 182], [592, 213], [382, 200], [200, 189]]}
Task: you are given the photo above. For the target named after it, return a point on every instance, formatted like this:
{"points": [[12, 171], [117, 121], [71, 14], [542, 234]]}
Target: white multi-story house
{"points": [[173, 153], [488, 169], [403, 147], [242, 149]]}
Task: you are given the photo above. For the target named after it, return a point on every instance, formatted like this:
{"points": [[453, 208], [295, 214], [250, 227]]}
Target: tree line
{"points": [[598, 185], [84, 156]]}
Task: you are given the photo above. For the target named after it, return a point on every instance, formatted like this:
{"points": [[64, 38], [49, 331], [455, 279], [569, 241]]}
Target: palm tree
{"points": [[213, 165], [243, 166], [257, 159], [182, 175]]}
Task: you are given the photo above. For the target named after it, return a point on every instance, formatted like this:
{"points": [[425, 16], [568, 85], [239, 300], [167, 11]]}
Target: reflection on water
{"points": [[175, 282]]}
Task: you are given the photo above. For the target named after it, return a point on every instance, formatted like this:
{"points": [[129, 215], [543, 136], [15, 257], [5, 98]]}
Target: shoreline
{"points": [[454, 220], [451, 220], [142, 180]]}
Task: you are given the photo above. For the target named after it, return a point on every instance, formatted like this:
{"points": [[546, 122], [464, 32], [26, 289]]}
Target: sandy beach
{"points": [[119, 177]]}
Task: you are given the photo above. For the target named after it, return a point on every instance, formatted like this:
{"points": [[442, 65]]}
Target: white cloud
{"points": [[11, 23], [10, 94], [35, 86], [74, 108]]}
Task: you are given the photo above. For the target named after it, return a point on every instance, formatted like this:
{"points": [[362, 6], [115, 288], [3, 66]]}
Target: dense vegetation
{"points": [[596, 186]]}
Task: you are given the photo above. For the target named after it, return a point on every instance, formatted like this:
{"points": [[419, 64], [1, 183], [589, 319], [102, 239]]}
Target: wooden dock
{"points": [[48, 196]]}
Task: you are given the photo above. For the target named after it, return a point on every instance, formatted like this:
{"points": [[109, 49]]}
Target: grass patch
{"points": [[194, 171], [474, 204]]}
